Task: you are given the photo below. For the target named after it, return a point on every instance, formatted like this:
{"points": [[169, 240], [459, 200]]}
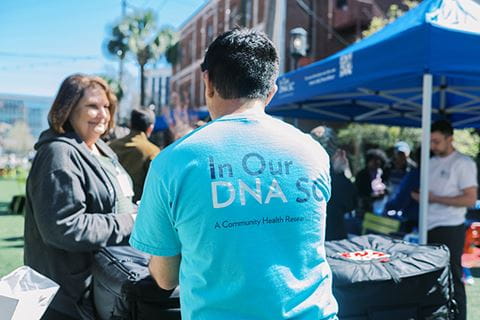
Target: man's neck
{"points": [[449, 152], [223, 107]]}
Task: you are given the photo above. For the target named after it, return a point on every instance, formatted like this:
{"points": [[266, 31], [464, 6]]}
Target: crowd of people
{"points": [[391, 188], [196, 206]]}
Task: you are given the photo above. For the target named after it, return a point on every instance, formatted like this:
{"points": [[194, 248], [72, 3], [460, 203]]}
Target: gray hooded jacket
{"points": [[70, 214]]}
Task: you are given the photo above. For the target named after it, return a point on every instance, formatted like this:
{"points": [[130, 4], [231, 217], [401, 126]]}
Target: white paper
{"points": [[33, 291]]}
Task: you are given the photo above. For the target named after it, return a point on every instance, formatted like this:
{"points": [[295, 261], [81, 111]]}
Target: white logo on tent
{"points": [[285, 85], [346, 65], [455, 14]]}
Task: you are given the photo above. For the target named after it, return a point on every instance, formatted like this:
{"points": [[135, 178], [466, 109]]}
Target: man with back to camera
{"points": [[135, 151], [235, 211], [452, 189]]}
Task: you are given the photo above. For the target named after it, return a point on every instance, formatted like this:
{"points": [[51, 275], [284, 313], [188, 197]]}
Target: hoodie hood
{"points": [[72, 139], [49, 136]]}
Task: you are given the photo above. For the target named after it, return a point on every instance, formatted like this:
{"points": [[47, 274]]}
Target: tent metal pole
{"points": [[425, 156]]}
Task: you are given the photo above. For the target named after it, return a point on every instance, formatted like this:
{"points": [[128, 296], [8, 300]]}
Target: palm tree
{"points": [[172, 54], [117, 46], [114, 85], [139, 35]]}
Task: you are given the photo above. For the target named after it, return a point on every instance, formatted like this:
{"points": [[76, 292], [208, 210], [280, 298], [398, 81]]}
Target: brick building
{"points": [[331, 25]]}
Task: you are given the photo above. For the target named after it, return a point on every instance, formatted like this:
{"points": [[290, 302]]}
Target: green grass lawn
{"points": [[9, 188], [11, 228], [473, 297], [11, 242]]}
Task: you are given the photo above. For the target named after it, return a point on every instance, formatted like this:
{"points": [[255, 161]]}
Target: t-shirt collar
{"points": [[250, 113], [451, 155]]}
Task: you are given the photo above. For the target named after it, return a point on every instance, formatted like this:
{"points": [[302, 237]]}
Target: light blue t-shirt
{"points": [[243, 200]]}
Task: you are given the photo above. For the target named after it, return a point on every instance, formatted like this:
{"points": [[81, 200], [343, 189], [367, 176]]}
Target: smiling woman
{"points": [[85, 105], [79, 198], [90, 118]]}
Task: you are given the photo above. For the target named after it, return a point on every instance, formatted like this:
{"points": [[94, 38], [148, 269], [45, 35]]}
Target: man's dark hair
{"points": [[141, 119], [242, 63], [442, 126]]}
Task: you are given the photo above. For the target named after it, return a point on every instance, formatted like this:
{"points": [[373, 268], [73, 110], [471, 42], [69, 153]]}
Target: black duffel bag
{"points": [[378, 278], [124, 290]]}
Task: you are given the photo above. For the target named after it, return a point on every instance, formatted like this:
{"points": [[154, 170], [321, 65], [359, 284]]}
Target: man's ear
{"points": [[209, 89], [150, 130], [449, 138], [271, 94]]}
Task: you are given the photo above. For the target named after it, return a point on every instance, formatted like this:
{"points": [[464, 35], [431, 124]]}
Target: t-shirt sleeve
{"points": [[467, 174], [154, 230]]}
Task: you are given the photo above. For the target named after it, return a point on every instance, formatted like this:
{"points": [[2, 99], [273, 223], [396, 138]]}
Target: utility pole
{"points": [[279, 29], [120, 66]]}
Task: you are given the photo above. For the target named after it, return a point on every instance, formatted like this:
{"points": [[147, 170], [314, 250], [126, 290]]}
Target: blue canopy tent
{"points": [[162, 124], [424, 65]]}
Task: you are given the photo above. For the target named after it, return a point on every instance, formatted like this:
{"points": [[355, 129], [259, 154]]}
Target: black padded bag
{"points": [[414, 282], [124, 290]]}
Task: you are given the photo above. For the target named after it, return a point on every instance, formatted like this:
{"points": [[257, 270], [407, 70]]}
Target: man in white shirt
{"points": [[452, 189]]}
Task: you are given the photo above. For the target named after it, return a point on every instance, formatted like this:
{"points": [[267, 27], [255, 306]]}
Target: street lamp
{"points": [[298, 44]]}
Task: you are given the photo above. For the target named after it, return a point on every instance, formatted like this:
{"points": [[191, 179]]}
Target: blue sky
{"points": [[36, 36]]}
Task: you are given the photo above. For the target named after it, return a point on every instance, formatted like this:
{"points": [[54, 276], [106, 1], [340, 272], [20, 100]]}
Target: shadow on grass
{"points": [[475, 272], [13, 246], [7, 213], [13, 239], [4, 208]]}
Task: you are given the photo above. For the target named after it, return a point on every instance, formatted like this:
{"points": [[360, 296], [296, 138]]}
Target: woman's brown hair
{"points": [[71, 91]]}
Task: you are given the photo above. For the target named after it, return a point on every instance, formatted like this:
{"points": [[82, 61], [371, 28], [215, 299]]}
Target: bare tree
{"points": [[18, 139]]}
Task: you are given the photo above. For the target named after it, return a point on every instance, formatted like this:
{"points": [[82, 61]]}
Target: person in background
{"points": [[372, 181], [135, 151], [400, 165], [403, 200], [79, 198], [452, 189], [229, 212], [327, 139], [343, 200]]}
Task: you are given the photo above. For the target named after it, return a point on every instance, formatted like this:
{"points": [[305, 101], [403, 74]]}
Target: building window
{"points": [[248, 14], [209, 36], [189, 52], [342, 4], [182, 54], [234, 18]]}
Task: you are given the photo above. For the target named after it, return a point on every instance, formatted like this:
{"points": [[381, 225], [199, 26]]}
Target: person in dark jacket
{"points": [[403, 201], [78, 195], [400, 165], [135, 151], [343, 200], [371, 181]]}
